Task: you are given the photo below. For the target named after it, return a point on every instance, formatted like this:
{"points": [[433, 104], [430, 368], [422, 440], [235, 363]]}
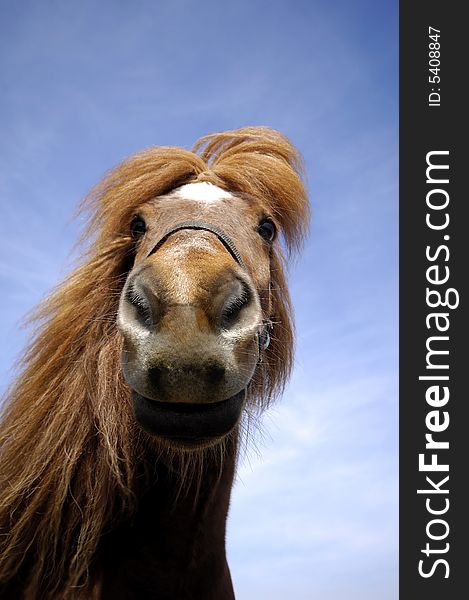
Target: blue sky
{"points": [[314, 510]]}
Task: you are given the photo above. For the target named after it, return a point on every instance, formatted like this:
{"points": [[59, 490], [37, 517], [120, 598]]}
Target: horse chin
{"points": [[188, 426]]}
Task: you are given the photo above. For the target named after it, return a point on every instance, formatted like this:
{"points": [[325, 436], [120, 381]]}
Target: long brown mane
{"points": [[68, 444]]}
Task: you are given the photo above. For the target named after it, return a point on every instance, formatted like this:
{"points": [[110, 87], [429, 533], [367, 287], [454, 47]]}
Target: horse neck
{"points": [[175, 545]]}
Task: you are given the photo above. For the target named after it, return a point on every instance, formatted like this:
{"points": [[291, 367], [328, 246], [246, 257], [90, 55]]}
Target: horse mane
{"points": [[69, 448]]}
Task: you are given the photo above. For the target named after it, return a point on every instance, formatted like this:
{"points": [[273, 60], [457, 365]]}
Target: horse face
{"points": [[192, 309]]}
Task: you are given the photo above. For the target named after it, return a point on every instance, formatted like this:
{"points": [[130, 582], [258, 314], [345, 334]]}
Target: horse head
{"points": [[195, 310]]}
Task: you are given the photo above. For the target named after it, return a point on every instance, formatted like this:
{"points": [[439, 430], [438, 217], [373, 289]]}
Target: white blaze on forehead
{"points": [[202, 191]]}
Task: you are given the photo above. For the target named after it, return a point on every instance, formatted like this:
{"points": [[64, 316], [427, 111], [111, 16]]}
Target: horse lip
{"points": [[188, 422], [191, 408]]}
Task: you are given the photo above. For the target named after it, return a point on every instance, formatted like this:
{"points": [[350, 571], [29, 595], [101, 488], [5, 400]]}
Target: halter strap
{"points": [[203, 226]]}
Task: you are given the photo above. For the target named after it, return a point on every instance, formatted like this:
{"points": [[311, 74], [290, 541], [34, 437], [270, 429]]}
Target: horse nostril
{"points": [[141, 305], [234, 306]]}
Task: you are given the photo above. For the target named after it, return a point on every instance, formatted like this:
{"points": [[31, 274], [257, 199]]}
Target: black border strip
{"points": [[433, 124]]}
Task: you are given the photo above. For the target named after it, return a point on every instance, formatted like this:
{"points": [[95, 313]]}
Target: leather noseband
{"points": [[203, 226]]}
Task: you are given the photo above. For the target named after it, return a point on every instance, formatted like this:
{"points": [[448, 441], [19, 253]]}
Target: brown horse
{"points": [[119, 440]]}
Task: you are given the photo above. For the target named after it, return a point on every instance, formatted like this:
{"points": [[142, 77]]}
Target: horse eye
{"points": [[137, 227], [267, 229]]}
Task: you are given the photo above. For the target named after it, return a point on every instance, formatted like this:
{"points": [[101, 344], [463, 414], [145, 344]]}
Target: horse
{"points": [[120, 437]]}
